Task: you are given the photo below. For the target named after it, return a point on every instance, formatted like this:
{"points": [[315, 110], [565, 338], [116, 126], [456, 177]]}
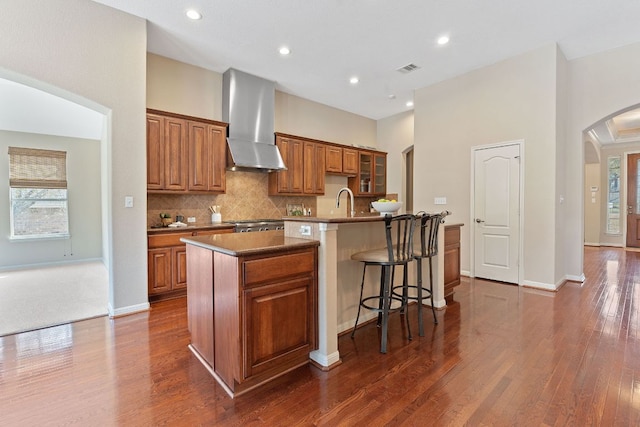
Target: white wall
{"points": [[512, 100], [599, 85], [95, 56], [182, 88], [592, 217], [83, 177], [395, 135]]}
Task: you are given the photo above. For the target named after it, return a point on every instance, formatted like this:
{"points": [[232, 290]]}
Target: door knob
{"points": [[478, 220]]}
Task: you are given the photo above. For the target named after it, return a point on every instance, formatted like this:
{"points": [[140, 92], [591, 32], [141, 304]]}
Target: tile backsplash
{"points": [[246, 198]]}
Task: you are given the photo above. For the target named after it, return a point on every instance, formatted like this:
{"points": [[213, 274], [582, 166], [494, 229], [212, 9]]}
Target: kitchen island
{"points": [[252, 305], [339, 277]]}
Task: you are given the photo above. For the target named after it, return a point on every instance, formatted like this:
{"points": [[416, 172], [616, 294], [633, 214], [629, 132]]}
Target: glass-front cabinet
{"points": [[371, 179]]}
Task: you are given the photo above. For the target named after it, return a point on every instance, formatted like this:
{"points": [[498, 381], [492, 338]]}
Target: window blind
{"points": [[35, 168]]}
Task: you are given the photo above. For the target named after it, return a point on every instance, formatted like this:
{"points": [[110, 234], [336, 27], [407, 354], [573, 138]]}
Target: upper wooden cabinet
{"points": [[309, 160], [341, 160], [314, 168], [207, 157], [289, 181], [185, 154], [371, 179]]}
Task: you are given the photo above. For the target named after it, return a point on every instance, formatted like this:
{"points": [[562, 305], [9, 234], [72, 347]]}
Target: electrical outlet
{"points": [[305, 230], [439, 200], [191, 219]]}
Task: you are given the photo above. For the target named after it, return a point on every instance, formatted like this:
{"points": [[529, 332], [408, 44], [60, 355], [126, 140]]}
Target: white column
{"points": [[327, 353]]}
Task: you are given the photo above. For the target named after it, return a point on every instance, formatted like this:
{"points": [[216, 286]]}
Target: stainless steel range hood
{"points": [[248, 104]]}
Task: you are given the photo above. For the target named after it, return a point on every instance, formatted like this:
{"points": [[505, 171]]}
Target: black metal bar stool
{"points": [[425, 247], [398, 251]]}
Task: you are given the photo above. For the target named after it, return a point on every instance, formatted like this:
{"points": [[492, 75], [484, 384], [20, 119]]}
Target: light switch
{"points": [[439, 200], [128, 201]]}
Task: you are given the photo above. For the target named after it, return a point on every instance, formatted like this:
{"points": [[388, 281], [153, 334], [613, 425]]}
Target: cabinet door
{"points": [[268, 340], [159, 270], [207, 159], [155, 152], [198, 157], [349, 161], [314, 168], [333, 159], [288, 181], [175, 154], [217, 158], [179, 271], [379, 175], [319, 168]]}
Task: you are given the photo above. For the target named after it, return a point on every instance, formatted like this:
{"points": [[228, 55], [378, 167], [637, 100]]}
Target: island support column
{"points": [[327, 355]]}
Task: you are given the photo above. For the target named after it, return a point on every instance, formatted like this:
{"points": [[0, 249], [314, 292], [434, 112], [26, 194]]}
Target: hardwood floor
{"points": [[501, 355]]}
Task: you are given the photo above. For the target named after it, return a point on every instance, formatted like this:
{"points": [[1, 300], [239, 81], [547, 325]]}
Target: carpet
{"points": [[49, 296]]}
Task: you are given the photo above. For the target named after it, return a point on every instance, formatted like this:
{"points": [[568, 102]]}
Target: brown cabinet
{"points": [[207, 157], [166, 153], [309, 160], [167, 263], [314, 168], [451, 260], [289, 181], [341, 160], [371, 179], [185, 154], [252, 318]]}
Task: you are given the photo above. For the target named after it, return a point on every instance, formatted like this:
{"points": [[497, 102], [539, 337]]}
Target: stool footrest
{"points": [[364, 301]]}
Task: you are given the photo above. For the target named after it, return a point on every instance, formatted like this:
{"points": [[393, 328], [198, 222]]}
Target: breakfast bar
{"points": [[339, 277]]}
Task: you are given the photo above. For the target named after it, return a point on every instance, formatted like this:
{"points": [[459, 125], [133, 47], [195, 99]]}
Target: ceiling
{"points": [[333, 40], [623, 128]]}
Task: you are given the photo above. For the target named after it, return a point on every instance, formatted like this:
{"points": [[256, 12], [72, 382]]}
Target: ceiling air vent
{"points": [[408, 68]]}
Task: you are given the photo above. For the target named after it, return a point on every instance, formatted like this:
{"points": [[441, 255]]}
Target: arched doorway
{"points": [[51, 279]]}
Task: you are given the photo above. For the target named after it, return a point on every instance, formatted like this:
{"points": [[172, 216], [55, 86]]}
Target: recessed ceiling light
{"points": [[409, 104], [193, 14], [443, 40], [354, 80], [284, 50]]}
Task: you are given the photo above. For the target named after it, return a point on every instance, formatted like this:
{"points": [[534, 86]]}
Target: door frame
{"points": [[624, 178], [472, 266]]}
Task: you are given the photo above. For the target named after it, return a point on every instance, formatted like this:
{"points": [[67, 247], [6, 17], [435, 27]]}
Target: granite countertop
{"points": [[210, 226], [363, 217], [239, 244]]}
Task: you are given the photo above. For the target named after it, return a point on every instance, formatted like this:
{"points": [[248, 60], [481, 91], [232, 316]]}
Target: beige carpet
{"points": [[42, 297]]}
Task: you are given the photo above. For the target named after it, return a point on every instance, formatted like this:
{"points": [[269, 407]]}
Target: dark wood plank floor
{"points": [[501, 355]]}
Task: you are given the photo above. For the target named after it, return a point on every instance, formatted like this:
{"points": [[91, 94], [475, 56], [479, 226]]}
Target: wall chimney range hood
{"points": [[248, 104]]}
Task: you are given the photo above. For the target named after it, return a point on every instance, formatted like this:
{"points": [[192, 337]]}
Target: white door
{"points": [[496, 208]]}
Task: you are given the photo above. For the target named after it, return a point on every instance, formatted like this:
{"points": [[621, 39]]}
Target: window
{"points": [[38, 192], [613, 195]]}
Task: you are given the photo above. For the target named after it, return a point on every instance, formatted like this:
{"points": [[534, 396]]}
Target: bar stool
{"points": [[398, 251], [426, 247]]}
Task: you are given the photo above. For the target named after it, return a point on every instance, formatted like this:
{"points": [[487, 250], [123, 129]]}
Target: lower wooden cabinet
{"points": [[451, 260], [254, 317], [167, 263]]}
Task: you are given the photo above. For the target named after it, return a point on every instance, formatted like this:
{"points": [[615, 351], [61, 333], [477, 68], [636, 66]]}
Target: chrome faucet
{"points": [[353, 212]]}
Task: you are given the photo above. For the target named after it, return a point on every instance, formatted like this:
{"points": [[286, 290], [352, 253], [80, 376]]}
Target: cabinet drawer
{"points": [[164, 240], [173, 239], [451, 236], [277, 267]]}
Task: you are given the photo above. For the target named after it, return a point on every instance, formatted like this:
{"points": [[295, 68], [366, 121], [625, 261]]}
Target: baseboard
{"points": [[540, 285], [49, 264], [591, 244], [124, 311]]}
